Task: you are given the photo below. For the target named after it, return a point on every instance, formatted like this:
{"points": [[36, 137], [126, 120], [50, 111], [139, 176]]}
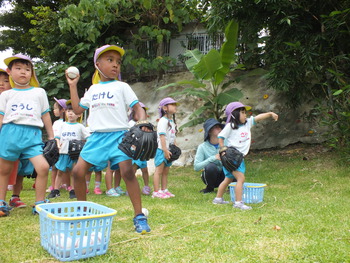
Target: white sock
{"points": [[97, 184]]}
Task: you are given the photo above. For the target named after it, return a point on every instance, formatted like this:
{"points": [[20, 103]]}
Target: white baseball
{"points": [[72, 72], [145, 211]]}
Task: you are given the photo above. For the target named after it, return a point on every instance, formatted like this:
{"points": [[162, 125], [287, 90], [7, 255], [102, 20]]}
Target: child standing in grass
{"points": [[24, 110], [108, 100], [166, 132], [237, 134]]}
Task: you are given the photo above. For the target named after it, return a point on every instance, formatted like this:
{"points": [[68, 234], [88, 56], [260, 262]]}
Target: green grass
{"points": [[307, 199]]}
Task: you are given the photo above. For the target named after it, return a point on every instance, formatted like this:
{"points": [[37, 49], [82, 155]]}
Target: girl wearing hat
{"points": [[166, 132], [4, 80], [208, 158], [237, 134]]}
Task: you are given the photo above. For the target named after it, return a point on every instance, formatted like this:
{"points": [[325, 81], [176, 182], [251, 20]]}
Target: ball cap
{"points": [[165, 102], [61, 102], [208, 124], [98, 52], [33, 80], [232, 106], [3, 70]]}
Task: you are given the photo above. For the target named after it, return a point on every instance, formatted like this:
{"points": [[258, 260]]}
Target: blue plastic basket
{"points": [[252, 192], [75, 230]]}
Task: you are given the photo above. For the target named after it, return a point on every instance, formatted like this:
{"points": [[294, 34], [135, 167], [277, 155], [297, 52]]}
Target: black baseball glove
{"points": [[74, 148], [51, 152], [231, 158], [175, 152], [139, 144]]}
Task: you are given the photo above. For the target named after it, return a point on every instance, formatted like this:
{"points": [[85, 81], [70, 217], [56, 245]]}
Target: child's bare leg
{"points": [[79, 172], [5, 171], [239, 185], [157, 176], [109, 178], [223, 186], [17, 188], [42, 169], [164, 180], [58, 181], [54, 172], [132, 185], [145, 176], [117, 178]]}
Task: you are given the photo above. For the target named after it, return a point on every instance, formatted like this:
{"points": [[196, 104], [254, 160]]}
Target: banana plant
{"points": [[210, 84]]}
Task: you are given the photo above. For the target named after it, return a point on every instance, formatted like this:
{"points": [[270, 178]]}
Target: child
{"points": [[138, 164], [237, 134], [70, 130], [115, 191], [98, 179], [24, 110], [58, 110], [108, 100], [166, 131]]}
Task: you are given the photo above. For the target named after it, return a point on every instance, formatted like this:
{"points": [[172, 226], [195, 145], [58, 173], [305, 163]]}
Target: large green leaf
{"points": [[229, 96], [194, 58], [208, 65]]}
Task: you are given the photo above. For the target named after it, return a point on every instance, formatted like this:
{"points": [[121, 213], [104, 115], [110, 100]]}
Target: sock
{"points": [[97, 184], [87, 184]]}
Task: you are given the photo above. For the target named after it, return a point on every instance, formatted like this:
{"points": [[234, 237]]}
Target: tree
{"points": [[209, 83]]}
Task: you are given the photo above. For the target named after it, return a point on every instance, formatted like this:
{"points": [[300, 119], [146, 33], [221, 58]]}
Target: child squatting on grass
{"points": [[237, 134], [24, 110], [108, 100]]}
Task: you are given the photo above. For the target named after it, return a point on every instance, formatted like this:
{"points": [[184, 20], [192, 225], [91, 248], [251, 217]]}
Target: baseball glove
{"points": [[74, 148], [231, 158], [51, 152], [139, 144], [175, 152]]}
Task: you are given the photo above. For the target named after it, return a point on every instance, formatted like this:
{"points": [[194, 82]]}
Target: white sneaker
{"points": [[112, 192], [219, 201], [241, 205]]}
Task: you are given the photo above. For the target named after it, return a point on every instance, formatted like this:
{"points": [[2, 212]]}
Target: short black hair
{"points": [[19, 60]]}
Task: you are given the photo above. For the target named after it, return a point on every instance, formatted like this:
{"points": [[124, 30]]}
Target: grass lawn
{"points": [[304, 217]]}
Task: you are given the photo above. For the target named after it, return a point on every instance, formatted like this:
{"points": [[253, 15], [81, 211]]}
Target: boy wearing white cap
{"points": [[108, 100], [24, 110]]}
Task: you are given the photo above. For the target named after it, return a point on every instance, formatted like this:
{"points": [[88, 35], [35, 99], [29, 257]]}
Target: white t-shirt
{"points": [[71, 131], [108, 104], [239, 138], [163, 128], [24, 106], [56, 127]]}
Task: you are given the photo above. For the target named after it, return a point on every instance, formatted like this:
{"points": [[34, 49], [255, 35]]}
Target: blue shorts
{"points": [[95, 169], [64, 163], [25, 167], [140, 164], [20, 142], [102, 147], [241, 169], [160, 158]]}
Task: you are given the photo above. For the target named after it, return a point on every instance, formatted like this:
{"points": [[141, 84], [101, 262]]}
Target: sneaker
{"points": [[16, 202], [141, 225], [72, 194], [4, 208], [112, 192], [166, 191], [97, 191], [160, 195], [207, 190], [120, 191], [241, 205], [54, 193], [48, 190], [9, 187], [146, 190], [34, 212], [219, 201]]}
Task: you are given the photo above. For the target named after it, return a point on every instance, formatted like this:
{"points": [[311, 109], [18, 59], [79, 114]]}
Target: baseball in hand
{"points": [[145, 211], [72, 72]]}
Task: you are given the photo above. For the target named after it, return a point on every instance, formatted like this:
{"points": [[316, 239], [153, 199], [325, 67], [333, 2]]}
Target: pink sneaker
{"points": [[97, 191], [48, 190], [166, 192], [160, 195]]}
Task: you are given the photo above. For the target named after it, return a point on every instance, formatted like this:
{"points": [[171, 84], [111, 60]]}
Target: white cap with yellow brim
{"points": [[33, 80], [96, 77]]}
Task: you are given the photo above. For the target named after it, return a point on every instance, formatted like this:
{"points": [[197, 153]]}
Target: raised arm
{"points": [[266, 115]]}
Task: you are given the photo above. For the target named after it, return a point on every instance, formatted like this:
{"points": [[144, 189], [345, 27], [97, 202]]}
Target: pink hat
{"points": [[33, 80], [232, 106], [61, 102], [98, 52], [165, 102]]}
